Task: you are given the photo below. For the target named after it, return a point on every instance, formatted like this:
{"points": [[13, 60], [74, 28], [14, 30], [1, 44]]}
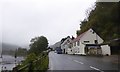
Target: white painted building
{"points": [[106, 50], [66, 46], [88, 38]]}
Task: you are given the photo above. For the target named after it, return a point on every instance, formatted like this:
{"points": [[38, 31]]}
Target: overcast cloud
{"points": [[22, 20]]}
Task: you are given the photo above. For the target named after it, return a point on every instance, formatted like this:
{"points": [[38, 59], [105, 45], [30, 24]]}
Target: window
{"points": [[71, 44], [96, 42], [68, 41], [86, 41], [75, 44], [92, 31], [78, 43]]}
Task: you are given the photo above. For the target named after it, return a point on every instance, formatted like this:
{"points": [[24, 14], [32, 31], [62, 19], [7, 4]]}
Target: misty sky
{"points": [[22, 20]]}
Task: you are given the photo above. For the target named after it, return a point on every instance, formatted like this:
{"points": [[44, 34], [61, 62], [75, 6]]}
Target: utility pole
{"points": [[15, 57]]}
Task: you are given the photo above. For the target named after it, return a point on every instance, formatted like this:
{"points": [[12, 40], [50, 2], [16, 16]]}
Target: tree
{"points": [[38, 45], [103, 19]]}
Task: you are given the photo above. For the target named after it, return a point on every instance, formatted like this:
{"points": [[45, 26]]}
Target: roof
{"points": [[66, 41], [93, 44], [79, 37]]}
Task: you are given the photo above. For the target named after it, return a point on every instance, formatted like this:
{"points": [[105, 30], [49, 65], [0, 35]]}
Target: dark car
{"points": [[59, 50]]}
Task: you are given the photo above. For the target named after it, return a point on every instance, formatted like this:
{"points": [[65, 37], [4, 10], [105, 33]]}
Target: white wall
{"points": [[73, 50], [65, 43], [66, 48], [78, 49], [82, 48], [89, 36], [69, 51], [106, 50]]}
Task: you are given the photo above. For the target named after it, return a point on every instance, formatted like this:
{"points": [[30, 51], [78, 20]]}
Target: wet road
{"points": [[74, 62]]}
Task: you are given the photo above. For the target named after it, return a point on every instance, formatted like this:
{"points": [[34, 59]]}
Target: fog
{"points": [[22, 20]]}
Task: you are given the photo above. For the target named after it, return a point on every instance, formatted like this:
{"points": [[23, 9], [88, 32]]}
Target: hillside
{"points": [[8, 48], [104, 19], [57, 44]]}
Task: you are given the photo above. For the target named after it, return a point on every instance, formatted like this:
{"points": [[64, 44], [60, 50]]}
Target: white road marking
{"points": [[78, 62], [96, 69]]}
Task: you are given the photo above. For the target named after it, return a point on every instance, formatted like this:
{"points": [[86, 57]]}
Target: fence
{"points": [[40, 64]]}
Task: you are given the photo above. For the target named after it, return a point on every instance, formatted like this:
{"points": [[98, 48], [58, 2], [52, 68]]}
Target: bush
{"points": [[35, 63]]}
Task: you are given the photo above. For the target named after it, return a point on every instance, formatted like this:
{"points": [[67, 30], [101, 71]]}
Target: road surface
{"points": [[75, 62]]}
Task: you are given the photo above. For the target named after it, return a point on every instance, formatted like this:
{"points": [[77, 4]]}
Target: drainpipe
{"points": [[97, 42]]}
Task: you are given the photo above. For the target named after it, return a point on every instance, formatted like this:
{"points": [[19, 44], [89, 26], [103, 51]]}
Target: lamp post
{"points": [[15, 57]]}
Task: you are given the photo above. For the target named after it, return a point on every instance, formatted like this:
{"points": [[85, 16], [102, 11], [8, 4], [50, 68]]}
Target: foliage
{"points": [[31, 57], [104, 19], [35, 63], [38, 45]]}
